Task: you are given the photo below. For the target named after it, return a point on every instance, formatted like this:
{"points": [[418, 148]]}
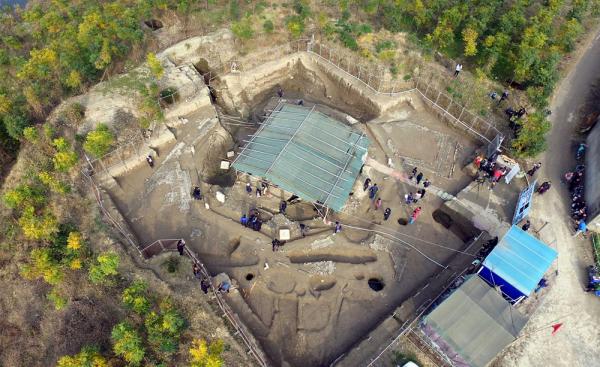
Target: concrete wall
{"points": [[592, 178]]}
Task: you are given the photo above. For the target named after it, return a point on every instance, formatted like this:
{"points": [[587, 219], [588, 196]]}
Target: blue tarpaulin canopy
{"points": [[517, 263]]}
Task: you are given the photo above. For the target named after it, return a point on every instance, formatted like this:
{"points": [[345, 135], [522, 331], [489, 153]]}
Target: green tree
{"points": [[531, 139], [135, 297], [99, 141], [15, 124], [127, 343], [25, 195], [164, 328], [89, 356], [469, 36], [104, 268]]}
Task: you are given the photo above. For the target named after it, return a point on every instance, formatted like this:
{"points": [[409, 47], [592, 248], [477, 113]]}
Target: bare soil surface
{"points": [[307, 302], [576, 343]]}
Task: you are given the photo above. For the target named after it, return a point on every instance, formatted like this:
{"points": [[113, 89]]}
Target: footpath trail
{"points": [[576, 343]]}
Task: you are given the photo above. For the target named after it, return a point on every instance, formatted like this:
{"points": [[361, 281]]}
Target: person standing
{"points": [[197, 271], [205, 285], [386, 213], [426, 183], [378, 203], [150, 161], [526, 225], [415, 215], [279, 92], [503, 97], [412, 173], [422, 192], [249, 189], [244, 220], [419, 177], [366, 184], [408, 198], [337, 228], [197, 194], [533, 169], [275, 244], [180, 246], [282, 206], [373, 191], [303, 229], [457, 69]]}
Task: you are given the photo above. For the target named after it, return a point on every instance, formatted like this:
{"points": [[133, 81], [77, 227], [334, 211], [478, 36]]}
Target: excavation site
{"points": [[329, 206]]}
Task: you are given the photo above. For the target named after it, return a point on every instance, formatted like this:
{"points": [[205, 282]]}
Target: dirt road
{"points": [[576, 343]]}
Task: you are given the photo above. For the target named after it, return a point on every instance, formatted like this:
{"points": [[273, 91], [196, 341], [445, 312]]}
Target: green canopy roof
{"points": [[307, 153], [475, 322]]}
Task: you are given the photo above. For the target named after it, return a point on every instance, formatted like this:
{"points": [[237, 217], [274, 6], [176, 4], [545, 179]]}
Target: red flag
{"points": [[555, 328]]}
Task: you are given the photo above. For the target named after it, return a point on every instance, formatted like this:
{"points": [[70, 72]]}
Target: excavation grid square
{"points": [[306, 153]]}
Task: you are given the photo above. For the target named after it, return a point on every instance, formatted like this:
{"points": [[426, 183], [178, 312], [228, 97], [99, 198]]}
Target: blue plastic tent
{"points": [[517, 263]]}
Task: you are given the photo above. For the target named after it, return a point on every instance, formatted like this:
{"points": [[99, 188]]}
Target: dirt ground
{"points": [[576, 343], [306, 303]]}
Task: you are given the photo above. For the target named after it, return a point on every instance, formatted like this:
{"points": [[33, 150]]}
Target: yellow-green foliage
{"points": [[128, 344], [135, 297], [164, 328], [53, 183], [65, 158], [99, 141], [30, 134], [155, 65], [38, 227], [43, 265], [58, 301], [204, 355], [469, 36], [387, 55], [89, 356], [25, 195], [105, 267]]}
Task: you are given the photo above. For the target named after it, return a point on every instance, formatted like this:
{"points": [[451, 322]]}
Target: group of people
{"points": [[490, 169], [204, 281], [574, 181], [252, 220], [377, 201], [261, 189]]}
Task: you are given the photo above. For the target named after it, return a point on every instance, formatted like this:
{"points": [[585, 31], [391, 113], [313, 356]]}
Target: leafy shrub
{"points": [[43, 265], [531, 139], [203, 355], [53, 183], [268, 26], [127, 343], [104, 268], [135, 297], [155, 65], [25, 195], [38, 227], [243, 29], [99, 141], [57, 300], [387, 55], [89, 356], [164, 328], [14, 124], [65, 158], [295, 25], [30, 134], [385, 45]]}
